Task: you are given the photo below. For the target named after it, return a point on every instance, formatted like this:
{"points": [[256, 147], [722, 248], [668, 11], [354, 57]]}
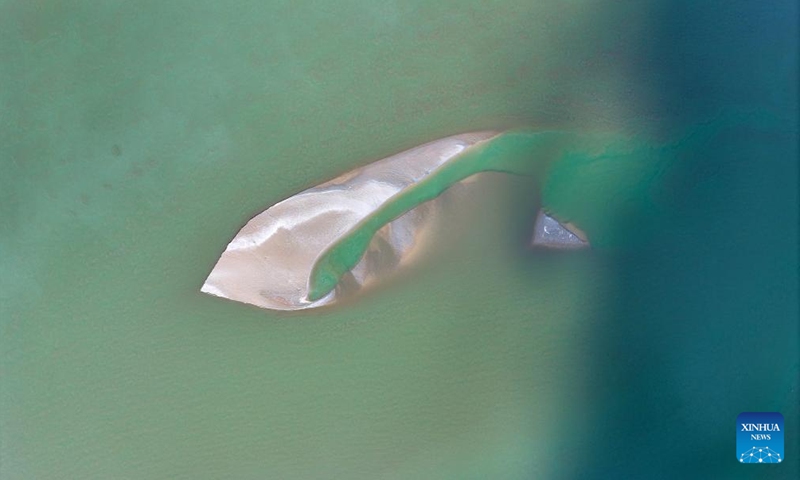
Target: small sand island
{"points": [[332, 240]]}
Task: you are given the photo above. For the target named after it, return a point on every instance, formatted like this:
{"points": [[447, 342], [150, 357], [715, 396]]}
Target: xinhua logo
{"points": [[759, 437]]}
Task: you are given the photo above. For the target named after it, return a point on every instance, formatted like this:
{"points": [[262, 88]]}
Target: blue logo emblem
{"points": [[759, 437]]}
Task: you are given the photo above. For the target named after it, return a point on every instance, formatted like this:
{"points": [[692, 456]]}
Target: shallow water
{"points": [[139, 138]]}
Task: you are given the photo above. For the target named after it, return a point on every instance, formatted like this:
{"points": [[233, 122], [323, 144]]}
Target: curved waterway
{"points": [[312, 248]]}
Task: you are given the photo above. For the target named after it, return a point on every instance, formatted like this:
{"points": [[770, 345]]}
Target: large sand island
{"points": [[334, 239]]}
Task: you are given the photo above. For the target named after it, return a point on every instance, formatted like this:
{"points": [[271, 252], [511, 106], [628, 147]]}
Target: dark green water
{"points": [[136, 138]]}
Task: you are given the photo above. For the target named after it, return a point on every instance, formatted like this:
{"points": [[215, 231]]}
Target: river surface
{"points": [[138, 137]]}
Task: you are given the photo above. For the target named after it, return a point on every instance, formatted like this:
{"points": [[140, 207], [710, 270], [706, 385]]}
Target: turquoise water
{"points": [[137, 139]]}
